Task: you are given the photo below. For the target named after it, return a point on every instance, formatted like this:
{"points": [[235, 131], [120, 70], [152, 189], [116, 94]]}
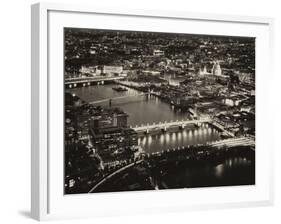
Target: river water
{"points": [[177, 138], [231, 171], [143, 110]]}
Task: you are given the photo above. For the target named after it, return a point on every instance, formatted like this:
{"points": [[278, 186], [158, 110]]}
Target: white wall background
{"points": [[15, 110]]}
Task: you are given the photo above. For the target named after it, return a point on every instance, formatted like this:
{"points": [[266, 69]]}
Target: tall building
{"points": [[109, 118], [203, 71], [120, 120], [112, 70], [217, 69], [90, 70]]}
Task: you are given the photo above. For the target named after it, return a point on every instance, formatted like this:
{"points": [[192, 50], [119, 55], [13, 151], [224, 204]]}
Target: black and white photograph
{"points": [[155, 111], [140, 111]]}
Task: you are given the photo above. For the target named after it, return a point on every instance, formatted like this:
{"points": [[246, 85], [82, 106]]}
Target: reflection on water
{"points": [[231, 163], [92, 93], [219, 170], [163, 141], [222, 169], [141, 109], [231, 171]]}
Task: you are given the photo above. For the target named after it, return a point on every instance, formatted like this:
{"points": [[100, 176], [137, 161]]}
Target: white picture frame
{"points": [[47, 202]]}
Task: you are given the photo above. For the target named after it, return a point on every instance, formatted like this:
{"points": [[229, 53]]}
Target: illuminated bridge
{"points": [[219, 145], [222, 128], [87, 81], [231, 142], [146, 128], [165, 125]]}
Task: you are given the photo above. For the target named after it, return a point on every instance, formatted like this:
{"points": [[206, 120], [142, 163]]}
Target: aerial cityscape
{"points": [[155, 111]]}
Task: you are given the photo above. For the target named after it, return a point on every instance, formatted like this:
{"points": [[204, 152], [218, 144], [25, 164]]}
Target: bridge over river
{"points": [[146, 128], [87, 81], [231, 142], [165, 125], [109, 100], [219, 145]]}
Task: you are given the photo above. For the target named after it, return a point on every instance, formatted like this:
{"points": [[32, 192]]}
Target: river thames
{"points": [[235, 170], [155, 111]]}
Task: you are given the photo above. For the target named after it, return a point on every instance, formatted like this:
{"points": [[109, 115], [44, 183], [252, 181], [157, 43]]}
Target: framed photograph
{"points": [[138, 111]]}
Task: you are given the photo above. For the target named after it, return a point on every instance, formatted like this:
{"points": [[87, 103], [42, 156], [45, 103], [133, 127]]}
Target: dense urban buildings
{"points": [[148, 111]]}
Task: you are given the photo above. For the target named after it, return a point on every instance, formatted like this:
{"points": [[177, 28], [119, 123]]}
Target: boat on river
{"points": [[120, 89]]}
